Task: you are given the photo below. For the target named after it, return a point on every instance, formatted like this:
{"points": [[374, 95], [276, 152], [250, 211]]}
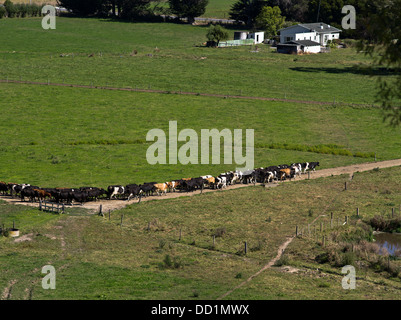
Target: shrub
{"points": [[284, 260], [323, 285], [10, 8], [258, 247], [348, 259], [2, 12], [382, 224], [162, 243], [171, 263], [219, 232], [215, 34]]}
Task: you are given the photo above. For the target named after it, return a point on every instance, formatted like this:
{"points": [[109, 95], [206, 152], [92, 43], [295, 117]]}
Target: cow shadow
{"points": [[366, 71]]}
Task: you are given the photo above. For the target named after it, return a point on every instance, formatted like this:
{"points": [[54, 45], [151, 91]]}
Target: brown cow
{"points": [[210, 181], [41, 194], [161, 188], [286, 173], [172, 185]]}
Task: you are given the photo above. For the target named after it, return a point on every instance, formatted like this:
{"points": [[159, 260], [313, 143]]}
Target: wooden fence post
{"points": [[296, 231], [100, 209], [357, 212], [180, 234], [109, 214], [122, 217], [246, 247], [345, 186]]}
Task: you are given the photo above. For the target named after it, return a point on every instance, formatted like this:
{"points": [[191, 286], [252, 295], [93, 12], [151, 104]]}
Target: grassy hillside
{"points": [[180, 62], [96, 258], [72, 137]]}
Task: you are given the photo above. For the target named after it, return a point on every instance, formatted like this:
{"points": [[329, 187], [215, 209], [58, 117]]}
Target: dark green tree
{"points": [[270, 20], [247, 10], [10, 8], [293, 10], [189, 9], [135, 9], [383, 43], [329, 11], [216, 33], [82, 7]]}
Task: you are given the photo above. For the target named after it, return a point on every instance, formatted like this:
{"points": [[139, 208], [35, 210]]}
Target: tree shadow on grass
{"points": [[366, 71]]}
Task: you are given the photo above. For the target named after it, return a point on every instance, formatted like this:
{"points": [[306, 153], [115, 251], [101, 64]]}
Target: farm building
{"points": [[301, 46], [257, 37], [319, 33]]}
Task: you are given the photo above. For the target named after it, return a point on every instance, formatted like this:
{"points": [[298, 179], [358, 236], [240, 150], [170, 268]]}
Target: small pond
{"points": [[390, 241]]}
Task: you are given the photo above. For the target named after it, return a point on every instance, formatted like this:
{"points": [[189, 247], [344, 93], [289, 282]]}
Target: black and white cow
{"points": [[113, 191], [313, 165], [221, 182], [298, 168]]}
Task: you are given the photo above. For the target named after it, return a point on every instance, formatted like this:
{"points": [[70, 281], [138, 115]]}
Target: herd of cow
{"points": [[84, 194]]}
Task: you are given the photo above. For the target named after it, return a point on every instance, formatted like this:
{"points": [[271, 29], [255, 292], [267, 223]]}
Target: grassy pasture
{"points": [[97, 259], [57, 136], [180, 62]]}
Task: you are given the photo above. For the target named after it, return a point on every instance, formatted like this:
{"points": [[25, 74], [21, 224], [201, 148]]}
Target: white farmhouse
{"points": [[318, 33]]}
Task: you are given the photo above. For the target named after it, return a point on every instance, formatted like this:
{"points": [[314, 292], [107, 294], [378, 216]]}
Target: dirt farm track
{"points": [[119, 204]]}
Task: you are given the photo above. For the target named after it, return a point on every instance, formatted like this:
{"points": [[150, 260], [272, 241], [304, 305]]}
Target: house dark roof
{"points": [[306, 43], [318, 27]]}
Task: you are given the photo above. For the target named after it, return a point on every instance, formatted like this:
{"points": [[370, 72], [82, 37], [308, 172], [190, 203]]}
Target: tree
{"points": [[328, 11], [10, 8], [82, 7], [246, 11], [134, 9], [270, 20], [293, 10], [189, 9], [217, 33], [383, 43]]}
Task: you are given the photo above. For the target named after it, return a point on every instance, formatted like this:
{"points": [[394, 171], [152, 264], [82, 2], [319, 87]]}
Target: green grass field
{"points": [[180, 62], [97, 259], [56, 136], [68, 137]]}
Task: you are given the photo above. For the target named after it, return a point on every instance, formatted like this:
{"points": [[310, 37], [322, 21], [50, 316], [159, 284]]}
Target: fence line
{"points": [[236, 95], [45, 206]]}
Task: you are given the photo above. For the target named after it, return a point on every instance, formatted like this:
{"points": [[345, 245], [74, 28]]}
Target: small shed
{"points": [[308, 46], [240, 35], [258, 37], [302, 46], [288, 48]]}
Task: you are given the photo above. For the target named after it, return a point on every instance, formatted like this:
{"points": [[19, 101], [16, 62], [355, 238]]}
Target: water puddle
{"points": [[390, 242]]}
